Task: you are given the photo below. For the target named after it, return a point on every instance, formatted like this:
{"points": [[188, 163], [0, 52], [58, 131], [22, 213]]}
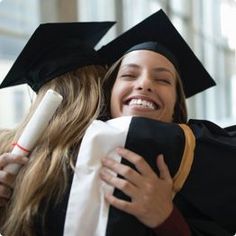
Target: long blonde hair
{"points": [[45, 177]]}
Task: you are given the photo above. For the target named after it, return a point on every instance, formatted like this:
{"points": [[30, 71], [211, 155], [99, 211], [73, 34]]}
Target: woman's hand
{"points": [[151, 195], [7, 179]]}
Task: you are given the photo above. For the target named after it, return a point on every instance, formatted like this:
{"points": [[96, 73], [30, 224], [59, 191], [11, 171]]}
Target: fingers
{"points": [[119, 203], [7, 178], [132, 177], [150, 194], [163, 168], [138, 161], [127, 172], [119, 183], [8, 158]]}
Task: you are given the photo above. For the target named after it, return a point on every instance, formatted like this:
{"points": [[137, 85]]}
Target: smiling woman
{"points": [[145, 82], [145, 86], [73, 69], [154, 71]]}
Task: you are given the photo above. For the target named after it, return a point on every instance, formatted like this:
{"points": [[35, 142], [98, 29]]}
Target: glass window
{"points": [[206, 26]]}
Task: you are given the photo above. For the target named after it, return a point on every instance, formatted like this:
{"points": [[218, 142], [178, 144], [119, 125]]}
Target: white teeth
{"points": [[143, 103]]}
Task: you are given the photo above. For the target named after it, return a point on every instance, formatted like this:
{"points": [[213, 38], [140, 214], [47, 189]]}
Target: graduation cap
{"points": [[54, 49], [158, 28]]}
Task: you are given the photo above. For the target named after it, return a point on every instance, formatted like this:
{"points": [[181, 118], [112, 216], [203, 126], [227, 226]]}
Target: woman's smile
{"points": [[145, 86]]}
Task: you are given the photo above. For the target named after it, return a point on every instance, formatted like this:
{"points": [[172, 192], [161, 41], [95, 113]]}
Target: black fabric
{"points": [[148, 138], [200, 224], [50, 218], [210, 186], [158, 28], [52, 223], [156, 47], [54, 49], [207, 199]]}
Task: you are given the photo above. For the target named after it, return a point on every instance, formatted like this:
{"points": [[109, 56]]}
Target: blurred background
{"points": [[207, 26]]}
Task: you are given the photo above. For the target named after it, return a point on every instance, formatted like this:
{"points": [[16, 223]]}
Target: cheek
{"points": [[171, 97], [112, 103], [115, 100], [119, 91], [174, 99]]}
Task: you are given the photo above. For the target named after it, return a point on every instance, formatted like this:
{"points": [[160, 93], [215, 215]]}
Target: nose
{"points": [[144, 83]]}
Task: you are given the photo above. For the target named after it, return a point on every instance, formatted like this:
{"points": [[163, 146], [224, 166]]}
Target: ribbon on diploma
{"points": [[35, 127]]}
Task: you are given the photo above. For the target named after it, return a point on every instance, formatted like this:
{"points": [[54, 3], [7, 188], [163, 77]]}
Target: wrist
{"points": [[161, 217], [174, 224]]}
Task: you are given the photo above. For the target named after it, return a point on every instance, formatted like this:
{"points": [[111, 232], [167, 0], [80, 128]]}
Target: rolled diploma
{"points": [[35, 127]]}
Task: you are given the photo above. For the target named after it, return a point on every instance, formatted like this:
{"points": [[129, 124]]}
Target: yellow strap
{"points": [[187, 159]]}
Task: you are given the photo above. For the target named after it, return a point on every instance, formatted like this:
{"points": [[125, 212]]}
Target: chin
{"points": [[145, 115]]}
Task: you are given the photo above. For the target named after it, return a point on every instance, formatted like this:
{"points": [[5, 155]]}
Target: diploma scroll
{"points": [[35, 127]]}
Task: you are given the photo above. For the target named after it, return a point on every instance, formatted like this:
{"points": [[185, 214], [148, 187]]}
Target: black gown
{"points": [[207, 199]]}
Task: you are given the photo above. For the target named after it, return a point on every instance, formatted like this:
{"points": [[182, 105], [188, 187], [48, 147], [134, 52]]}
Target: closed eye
{"points": [[164, 81], [164, 76], [127, 76], [129, 71]]}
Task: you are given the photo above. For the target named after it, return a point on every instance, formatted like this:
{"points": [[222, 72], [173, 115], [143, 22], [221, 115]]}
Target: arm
{"points": [[175, 224], [151, 195]]}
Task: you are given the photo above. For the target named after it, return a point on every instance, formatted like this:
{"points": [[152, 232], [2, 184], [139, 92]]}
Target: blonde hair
{"points": [[180, 111], [6, 135], [45, 177]]}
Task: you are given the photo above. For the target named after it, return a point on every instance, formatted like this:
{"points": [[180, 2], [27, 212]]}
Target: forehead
{"points": [[149, 58]]}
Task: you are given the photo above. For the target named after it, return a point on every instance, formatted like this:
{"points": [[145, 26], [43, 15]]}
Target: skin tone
{"points": [[145, 86], [151, 195], [7, 179]]}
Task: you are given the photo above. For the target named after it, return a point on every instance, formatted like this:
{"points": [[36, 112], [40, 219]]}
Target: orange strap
{"points": [[187, 159]]}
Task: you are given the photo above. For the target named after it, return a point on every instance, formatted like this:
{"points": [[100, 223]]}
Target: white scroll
{"points": [[35, 127]]}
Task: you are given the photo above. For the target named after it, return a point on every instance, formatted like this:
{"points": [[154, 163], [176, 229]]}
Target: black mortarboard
{"points": [[159, 28], [54, 49]]}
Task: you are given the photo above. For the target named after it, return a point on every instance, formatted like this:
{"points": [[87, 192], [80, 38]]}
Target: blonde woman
{"points": [[62, 59]]}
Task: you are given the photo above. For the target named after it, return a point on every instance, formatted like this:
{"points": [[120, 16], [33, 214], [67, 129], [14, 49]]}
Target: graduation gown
{"points": [[207, 198]]}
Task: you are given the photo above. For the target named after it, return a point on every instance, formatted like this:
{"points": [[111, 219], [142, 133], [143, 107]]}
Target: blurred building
{"points": [[206, 26]]}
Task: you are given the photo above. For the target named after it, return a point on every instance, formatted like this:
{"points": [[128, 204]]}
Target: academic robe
{"points": [[207, 198]]}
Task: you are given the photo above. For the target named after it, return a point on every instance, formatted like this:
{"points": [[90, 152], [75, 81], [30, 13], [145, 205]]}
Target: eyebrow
{"points": [[163, 69], [157, 69], [130, 65]]}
